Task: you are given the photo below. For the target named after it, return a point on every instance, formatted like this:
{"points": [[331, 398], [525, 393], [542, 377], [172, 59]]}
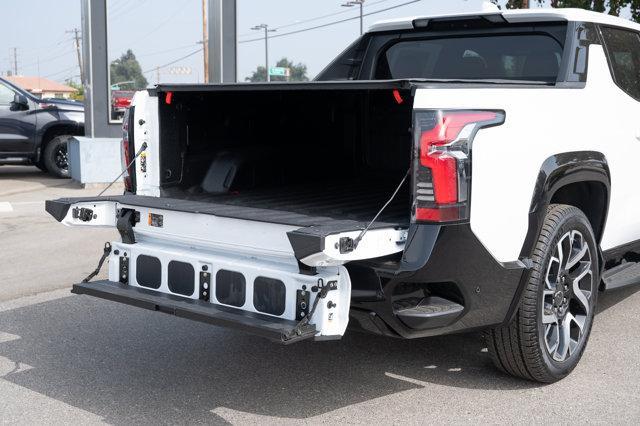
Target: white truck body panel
{"points": [[507, 160]]}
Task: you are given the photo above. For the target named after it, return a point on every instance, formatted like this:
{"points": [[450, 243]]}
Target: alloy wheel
{"points": [[61, 157], [566, 301]]}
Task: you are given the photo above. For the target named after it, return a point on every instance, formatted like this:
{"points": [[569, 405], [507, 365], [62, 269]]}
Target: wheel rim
{"points": [[566, 301], [61, 159]]}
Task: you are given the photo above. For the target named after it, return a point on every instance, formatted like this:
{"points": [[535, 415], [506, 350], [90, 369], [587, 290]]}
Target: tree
{"points": [[298, 72], [78, 95], [127, 68]]}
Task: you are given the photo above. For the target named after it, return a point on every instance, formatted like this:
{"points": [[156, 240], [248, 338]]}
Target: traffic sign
{"points": [[280, 71]]}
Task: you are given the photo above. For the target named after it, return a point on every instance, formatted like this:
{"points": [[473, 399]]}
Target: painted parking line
{"points": [[5, 207]]}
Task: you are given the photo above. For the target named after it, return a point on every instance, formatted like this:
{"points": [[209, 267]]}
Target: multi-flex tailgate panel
{"points": [[314, 241], [276, 329]]}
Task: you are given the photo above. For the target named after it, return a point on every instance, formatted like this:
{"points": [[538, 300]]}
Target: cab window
{"points": [[623, 49], [6, 95]]}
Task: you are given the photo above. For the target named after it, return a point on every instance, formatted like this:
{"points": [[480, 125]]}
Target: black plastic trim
{"points": [[305, 244], [276, 329], [282, 86], [450, 257], [57, 208]]}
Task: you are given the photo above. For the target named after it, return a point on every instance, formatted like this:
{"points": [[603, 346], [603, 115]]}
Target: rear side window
{"points": [[624, 58], [527, 57]]}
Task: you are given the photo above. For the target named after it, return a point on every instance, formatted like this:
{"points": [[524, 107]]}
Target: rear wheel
{"points": [[55, 156], [549, 332]]}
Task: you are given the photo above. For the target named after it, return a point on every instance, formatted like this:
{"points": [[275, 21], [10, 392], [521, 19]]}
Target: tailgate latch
{"points": [[83, 214], [346, 245]]}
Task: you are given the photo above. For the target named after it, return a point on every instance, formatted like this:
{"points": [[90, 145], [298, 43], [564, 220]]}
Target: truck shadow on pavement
{"points": [[130, 365]]}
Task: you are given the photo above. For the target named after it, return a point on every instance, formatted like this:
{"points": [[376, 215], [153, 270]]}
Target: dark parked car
{"points": [[35, 131]]}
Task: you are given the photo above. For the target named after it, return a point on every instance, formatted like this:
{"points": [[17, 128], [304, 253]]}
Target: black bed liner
{"points": [[319, 209]]}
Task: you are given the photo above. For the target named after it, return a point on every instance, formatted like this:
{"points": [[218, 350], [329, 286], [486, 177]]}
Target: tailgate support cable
{"points": [[364, 231], [107, 251], [142, 148]]}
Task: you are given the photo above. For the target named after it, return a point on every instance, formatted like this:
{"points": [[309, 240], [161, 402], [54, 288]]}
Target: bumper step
{"points": [[276, 329], [622, 275], [427, 312]]}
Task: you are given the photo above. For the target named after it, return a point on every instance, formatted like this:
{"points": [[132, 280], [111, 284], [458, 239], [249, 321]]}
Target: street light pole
{"points": [[360, 3], [266, 29]]}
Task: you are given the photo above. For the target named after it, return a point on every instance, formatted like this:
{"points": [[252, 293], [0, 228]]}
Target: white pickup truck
{"points": [[443, 174]]}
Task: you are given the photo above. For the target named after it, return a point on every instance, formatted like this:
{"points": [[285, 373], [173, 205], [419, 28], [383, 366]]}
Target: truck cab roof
{"points": [[510, 16]]}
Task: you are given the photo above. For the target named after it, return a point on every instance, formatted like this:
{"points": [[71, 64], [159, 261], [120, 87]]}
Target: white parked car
{"points": [[443, 174]]}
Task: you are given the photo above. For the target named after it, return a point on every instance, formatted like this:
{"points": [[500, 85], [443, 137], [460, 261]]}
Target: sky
{"points": [[163, 31]]}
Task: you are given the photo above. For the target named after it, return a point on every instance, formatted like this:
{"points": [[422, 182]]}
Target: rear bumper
{"points": [[276, 329], [444, 261]]}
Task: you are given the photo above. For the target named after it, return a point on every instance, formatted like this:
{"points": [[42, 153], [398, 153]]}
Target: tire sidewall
{"points": [[578, 222], [49, 156]]}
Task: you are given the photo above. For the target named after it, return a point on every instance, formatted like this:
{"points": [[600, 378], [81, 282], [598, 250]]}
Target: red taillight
{"points": [[442, 169], [126, 152]]}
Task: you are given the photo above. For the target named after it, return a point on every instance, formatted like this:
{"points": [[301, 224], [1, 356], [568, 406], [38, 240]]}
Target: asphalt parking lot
{"points": [[74, 359]]}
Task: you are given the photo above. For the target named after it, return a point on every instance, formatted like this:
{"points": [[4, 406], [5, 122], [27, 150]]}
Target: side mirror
{"points": [[20, 102]]}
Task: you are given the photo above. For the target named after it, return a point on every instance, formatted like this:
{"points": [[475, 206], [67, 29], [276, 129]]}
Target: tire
{"points": [[55, 156], [40, 165], [550, 330]]}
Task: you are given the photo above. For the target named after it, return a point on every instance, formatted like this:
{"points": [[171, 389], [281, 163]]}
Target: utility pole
{"points": [[76, 33], [205, 41], [266, 29], [158, 74], [15, 61], [360, 3]]}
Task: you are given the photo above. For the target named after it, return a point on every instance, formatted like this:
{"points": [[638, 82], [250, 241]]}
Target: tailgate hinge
{"points": [[321, 290], [127, 219]]}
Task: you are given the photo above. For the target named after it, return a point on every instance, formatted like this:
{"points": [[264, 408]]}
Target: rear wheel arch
{"points": [[581, 179], [58, 129]]}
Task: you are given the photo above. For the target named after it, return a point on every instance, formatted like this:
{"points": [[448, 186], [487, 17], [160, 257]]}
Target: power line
{"points": [[113, 10], [60, 72], [29, 50], [332, 23], [172, 62], [162, 23], [317, 18], [49, 58], [173, 49], [126, 10]]}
